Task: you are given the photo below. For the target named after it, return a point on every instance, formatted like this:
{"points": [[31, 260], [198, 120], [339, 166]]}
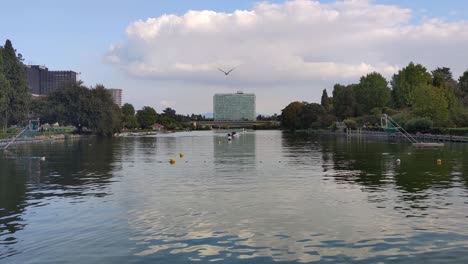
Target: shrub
{"points": [[419, 124], [402, 118], [350, 123], [461, 131], [439, 131]]}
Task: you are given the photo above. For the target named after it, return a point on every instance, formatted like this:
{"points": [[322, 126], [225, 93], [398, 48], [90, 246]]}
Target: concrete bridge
{"points": [[234, 124]]}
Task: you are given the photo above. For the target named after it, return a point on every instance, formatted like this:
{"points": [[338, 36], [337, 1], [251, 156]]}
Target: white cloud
{"points": [[294, 43]]}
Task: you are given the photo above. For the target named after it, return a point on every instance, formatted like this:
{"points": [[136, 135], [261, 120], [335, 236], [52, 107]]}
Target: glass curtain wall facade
{"points": [[234, 107]]}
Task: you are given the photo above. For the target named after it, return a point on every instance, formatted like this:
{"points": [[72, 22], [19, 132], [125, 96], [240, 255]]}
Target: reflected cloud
{"points": [[202, 243]]}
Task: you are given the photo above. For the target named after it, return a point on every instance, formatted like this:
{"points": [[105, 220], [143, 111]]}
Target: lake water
{"points": [[266, 197]]}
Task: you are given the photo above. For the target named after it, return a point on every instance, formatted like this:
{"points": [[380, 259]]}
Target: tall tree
{"points": [[442, 78], [463, 82], [372, 92], [19, 97], [4, 99], [169, 112], [344, 101], [82, 107], [325, 100], [431, 102], [128, 109], [405, 82], [146, 117], [4, 93], [104, 118], [311, 115], [128, 116], [71, 106], [290, 115]]}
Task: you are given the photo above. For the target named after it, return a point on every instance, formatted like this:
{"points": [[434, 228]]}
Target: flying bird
{"points": [[227, 73]]}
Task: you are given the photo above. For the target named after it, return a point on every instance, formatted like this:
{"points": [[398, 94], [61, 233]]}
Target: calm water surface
{"points": [[266, 197]]}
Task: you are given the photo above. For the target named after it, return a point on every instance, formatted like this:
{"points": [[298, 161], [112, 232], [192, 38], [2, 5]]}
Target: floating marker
{"points": [[398, 161], [172, 161], [439, 162], [43, 158], [219, 141], [181, 155]]}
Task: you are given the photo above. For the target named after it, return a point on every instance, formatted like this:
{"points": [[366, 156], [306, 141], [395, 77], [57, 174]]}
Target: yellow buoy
{"points": [[439, 162], [219, 141], [172, 161], [181, 155]]}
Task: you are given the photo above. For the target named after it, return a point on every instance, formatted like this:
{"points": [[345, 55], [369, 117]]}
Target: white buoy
{"points": [[398, 161], [43, 158]]}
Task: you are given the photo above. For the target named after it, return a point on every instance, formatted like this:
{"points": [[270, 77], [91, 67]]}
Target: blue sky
{"points": [[77, 35]]}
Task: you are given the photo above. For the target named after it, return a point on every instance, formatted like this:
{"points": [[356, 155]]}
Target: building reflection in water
{"points": [[235, 156]]}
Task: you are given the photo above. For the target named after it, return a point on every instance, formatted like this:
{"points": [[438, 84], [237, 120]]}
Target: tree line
{"points": [[146, 117], [89, 109], [92, 110], [414, 97]]}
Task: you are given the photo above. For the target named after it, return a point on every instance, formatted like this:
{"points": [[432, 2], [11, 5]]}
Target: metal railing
{"points": [[395, 125]]}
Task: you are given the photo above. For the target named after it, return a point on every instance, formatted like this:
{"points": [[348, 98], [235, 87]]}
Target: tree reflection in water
{"points": [[72, 169], [372, 165]]}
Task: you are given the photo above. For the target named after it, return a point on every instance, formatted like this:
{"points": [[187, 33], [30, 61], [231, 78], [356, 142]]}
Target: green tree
{"points": [[344, 101], [128, 109], [405, 82], [290, 115], [18, 96], [71, 105], [325, 100], [41, 108], [146, 117], [4, 94], [128, 116], [443, 78], [463, 82], [169, 112], [431, 102], [117, 118], [372, 92], [104, 118], [311, 115], [82, 107]]}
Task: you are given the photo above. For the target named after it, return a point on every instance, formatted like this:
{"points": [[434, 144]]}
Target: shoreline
{"points": [[383, 135], [37, 139]]}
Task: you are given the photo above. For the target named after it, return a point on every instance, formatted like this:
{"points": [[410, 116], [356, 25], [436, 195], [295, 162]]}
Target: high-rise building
{"points": [[41, 81], [116, 96], [234, 107]]}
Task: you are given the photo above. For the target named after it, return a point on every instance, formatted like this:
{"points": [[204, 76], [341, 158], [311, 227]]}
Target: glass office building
{"points": [[234, 107]]}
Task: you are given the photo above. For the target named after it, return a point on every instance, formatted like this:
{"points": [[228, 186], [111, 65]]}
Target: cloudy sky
{"points": [[166, 53]]}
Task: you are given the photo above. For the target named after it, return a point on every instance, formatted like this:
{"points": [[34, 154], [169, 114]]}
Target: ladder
{"points": [[388, 122], [16, 137]]}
